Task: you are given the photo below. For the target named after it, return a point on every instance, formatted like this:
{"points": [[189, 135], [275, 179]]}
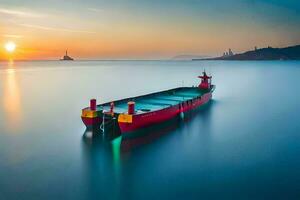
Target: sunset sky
{"points": [[136, 29]]}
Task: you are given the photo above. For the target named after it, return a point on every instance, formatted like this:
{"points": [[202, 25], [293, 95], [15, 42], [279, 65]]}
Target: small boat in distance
{"points": [[135, 113], [66, 57]]}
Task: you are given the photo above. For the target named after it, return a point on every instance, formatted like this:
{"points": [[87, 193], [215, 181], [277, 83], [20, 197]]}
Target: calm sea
{"points": [[245, 144]]}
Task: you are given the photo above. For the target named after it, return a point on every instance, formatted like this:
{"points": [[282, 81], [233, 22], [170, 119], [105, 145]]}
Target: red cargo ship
{"points": [[135, 113]]}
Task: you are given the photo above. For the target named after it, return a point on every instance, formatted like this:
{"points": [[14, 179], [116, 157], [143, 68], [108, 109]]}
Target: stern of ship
{"points": [[91, 116]]}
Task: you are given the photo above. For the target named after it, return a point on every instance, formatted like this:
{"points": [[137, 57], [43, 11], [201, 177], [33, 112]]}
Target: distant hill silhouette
{"points": [[269, 53]]}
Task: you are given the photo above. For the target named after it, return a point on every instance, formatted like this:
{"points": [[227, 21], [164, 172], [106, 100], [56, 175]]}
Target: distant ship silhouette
{"points": [[66, 57]]}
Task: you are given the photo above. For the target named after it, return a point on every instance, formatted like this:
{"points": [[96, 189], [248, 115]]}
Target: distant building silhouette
{"points": [[229, 53], [66, 57]]}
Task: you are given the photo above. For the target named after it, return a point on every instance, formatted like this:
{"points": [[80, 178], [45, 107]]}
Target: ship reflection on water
{"points": [[116, 152]]}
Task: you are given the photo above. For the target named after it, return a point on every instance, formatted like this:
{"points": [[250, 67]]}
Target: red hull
{"points": [[143, 120], [91, 122]]}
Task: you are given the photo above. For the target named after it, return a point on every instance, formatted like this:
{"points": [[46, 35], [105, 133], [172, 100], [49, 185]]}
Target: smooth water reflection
{"points": [[12, 99], [11, 96], [245, 143]]}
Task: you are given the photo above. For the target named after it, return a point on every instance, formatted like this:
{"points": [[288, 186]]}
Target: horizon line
{"points": [[149, 59]]}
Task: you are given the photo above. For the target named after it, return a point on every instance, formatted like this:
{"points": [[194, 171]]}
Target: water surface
{"points": [[244, 144]]}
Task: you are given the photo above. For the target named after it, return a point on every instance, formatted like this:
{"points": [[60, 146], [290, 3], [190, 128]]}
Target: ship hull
{"points": [[145, 120], [91, 122], [135, 113]]}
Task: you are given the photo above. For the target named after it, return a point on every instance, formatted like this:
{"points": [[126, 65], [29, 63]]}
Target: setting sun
{"points": [[10, 47]]}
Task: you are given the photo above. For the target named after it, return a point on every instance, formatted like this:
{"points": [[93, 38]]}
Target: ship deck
{"points": [[157, 101]]}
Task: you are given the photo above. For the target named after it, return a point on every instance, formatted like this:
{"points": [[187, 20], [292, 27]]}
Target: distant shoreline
{"points": [[166, 60], [263, 54]]}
